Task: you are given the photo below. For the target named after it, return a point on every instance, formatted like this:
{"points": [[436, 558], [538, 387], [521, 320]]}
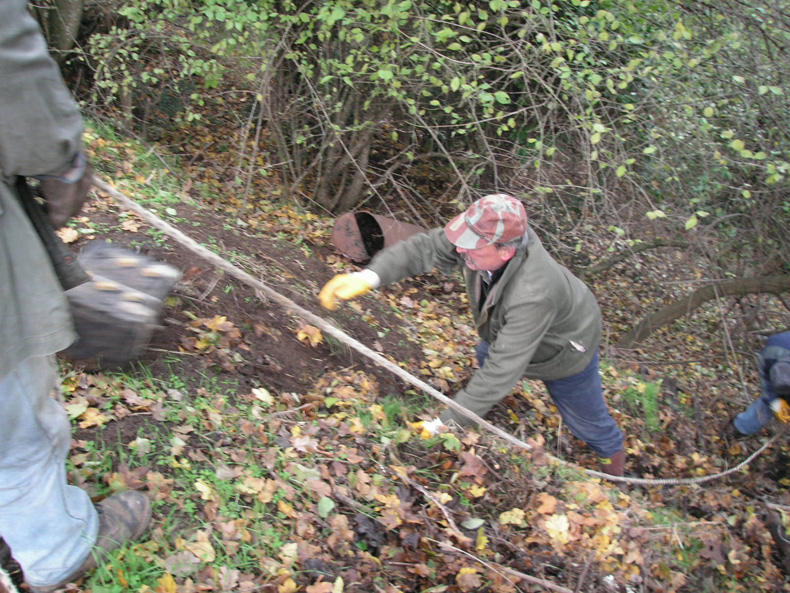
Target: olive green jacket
{"points": [[540, 320], [40, 132]]}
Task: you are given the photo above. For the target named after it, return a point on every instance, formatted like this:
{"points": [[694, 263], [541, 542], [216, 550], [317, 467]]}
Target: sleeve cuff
{"points": [[370, 277]]}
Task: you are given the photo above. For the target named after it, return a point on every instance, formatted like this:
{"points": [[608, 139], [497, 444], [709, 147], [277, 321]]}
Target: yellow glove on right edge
{"points": [[781, 409], [343, 286]]}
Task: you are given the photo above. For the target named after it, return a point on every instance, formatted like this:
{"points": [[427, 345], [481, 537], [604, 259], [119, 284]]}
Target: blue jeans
{"points": [[49, 525], [579, 399], [759, 413], [753, 418]]}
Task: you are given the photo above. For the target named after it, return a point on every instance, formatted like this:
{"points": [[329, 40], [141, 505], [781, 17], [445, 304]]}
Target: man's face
{"points": [[489, 258]]}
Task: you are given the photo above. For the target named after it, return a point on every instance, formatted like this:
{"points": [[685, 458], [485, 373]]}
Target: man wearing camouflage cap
{"points": [[535, 319]]}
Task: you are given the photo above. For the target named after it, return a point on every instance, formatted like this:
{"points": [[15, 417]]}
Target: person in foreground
{"points": [[535, 319], [774, 367], [53, 530]]}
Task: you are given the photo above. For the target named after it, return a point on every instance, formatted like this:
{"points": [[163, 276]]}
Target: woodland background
{"points": [[648, 142]]}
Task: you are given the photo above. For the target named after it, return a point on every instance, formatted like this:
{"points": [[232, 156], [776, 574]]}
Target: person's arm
{"points": [[40, 123], [416, 255], [525, 325], [780, 377]]}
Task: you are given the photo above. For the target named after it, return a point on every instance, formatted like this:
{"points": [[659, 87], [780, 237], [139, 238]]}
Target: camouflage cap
{"points": [[498, 218]]}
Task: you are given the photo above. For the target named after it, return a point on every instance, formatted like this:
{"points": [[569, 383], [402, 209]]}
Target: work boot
{"points": [[731, 434], [10, 573], [614, 465], [123, 517]]}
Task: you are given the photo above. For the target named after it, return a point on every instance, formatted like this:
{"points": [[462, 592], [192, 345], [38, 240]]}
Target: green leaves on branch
{"points": [[682, 105]]}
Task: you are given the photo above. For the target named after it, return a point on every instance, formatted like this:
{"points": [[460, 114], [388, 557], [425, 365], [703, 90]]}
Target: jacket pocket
{"points": [[571, 355]]}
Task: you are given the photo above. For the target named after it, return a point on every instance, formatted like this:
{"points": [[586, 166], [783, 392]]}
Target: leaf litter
{"points": [[279, 460]]}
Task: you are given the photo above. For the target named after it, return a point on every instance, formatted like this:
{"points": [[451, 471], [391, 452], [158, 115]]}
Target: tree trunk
{"points": [[61, 24], [670, 313]]}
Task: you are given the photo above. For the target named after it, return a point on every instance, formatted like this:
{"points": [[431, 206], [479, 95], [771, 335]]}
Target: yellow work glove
{"points": [[343, 286], [781, 409]]}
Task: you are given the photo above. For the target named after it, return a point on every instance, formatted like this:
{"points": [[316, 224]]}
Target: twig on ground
{"points": [[457, 532], [583, 575], [504, 569], [292, 410]]}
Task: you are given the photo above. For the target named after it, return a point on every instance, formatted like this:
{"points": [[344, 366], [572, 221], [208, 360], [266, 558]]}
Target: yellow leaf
{"points": [[481, 541], [338, 585], [547, 503], [251, 485], [443, 497], [309, 335], [68, 234], [286, 509], [201, 548], [130, 225], [288, 586], [206, 491], [167, 584], [476, 491], [263, 395], [513, 517], [92, 417], [289, 554], [357, 427], [558, 526], [216, 323], [378, 412]]}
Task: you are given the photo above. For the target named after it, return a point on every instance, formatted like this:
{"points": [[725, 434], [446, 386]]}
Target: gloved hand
{"points": [[343, 286], [435, 426], [66, 193], [781, 409]]}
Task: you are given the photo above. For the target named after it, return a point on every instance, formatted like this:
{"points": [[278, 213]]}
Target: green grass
{"points": [[643, 399]]}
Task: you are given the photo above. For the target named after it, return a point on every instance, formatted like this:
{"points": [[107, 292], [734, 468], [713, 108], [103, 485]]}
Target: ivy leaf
{"points": [[325, 506], [473, 523], [451, 442]]}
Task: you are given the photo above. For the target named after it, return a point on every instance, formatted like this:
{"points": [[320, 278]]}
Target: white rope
{"points": [[329, 329]]}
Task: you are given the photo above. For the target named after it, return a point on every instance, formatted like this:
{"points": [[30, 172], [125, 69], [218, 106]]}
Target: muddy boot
{"points": [[123, 517], [614, 465]]}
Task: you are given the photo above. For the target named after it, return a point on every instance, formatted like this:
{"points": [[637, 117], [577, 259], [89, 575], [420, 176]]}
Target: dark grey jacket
{"points": [[541, 321], [40, 132]]}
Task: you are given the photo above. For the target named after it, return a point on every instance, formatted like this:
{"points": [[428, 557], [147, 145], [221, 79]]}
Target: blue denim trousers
{"points": [[579, 399], [753, 418], [49, 525]]}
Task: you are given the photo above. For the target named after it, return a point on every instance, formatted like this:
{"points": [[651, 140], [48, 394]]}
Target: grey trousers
{"points": [[49, 525]]}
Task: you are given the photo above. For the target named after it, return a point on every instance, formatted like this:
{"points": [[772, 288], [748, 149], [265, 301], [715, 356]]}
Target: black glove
{"points": [[66, 193]]}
